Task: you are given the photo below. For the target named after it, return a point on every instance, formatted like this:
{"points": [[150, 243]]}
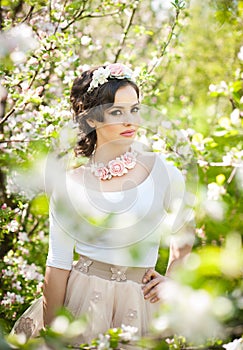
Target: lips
{"points": [[128, 133]]}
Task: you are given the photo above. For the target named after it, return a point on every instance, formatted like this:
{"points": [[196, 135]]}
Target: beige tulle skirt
{"points": [[108, 295]]}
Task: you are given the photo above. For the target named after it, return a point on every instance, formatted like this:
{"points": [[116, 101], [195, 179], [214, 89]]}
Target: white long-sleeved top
{"points": [[122, 228]]}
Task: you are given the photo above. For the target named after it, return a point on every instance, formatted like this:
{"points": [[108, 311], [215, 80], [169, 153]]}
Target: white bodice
{"points": [[122, 228]]}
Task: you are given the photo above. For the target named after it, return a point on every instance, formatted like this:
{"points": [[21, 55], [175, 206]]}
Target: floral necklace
{"points": [[115, 167]]}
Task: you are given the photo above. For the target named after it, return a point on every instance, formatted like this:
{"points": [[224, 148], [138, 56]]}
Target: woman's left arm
{"points": [[182, 237], [153, 280]]}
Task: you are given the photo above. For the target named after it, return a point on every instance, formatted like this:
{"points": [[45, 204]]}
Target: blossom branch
{"points": [[3, 120], [167, 42], [60, 17], [90, 15], [33, 228], [24, 217], [34, 77], [125, 32], [232, 174], [5, 198], [215, 164], [3, 101], [29, 13]]}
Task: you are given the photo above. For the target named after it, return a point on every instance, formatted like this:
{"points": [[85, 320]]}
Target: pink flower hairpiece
{"points": [[114, 70]]}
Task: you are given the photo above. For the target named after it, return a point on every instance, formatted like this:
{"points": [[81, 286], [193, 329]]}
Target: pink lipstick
{"points": [[128, 133]]}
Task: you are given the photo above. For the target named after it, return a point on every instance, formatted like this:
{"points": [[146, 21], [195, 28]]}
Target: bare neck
{"points": [[105, 153]]}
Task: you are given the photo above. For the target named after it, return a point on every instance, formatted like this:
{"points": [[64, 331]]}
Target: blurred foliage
{"points": [[189, 59]]}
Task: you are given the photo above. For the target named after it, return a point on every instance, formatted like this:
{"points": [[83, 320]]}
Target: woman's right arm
{"points": [[54, 291], [59, 261]]}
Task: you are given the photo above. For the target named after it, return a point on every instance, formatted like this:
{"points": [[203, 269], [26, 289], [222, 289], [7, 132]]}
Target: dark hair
{"points": [[91, 105]]}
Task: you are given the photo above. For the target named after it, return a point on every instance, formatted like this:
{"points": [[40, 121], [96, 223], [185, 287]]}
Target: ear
{"points": [[91, 123]]}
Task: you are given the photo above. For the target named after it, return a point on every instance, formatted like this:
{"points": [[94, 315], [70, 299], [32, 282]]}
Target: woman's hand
{"points": [[153, 283]]}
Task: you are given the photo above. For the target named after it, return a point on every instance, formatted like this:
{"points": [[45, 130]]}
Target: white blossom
{"points": [[85, 40], [228, 158], [159, 145], [30, 272], [8, 272], [128, 333], [100, 76], [240, 54], [166, 124], [215, 191], [13, 226], [202, 163], [17, 285], [60, 324], [18, 57], [49, 129], [184, 150], [222, 87], [215, 209], [181, 135], [190, 131], [235, 117], [23, 237], [236, 344], [19, 299], [196, 325], [104, 342], [9, 298]]}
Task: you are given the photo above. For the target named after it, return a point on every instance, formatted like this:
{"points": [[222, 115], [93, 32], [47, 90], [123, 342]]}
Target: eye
{"points": [[116, 112], [135, 110]]}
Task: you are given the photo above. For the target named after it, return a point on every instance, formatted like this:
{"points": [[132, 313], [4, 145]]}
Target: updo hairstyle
{"points": [[91, 105]]}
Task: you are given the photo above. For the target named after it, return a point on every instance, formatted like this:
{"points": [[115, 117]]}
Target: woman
{"points": [[115, 209]]}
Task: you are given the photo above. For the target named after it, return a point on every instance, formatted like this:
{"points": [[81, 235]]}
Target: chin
{"points": [[125, 141]]}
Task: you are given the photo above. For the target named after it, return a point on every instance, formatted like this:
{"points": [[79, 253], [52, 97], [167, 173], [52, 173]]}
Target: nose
{"points": [[126, 123], [128, 119]]}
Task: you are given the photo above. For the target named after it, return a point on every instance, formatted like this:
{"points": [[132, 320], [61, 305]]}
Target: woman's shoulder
{"points": [[172, 171], [146, 158], [76, 173]]}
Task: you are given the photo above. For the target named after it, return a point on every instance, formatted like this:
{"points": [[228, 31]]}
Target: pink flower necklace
{"points": [[115, 167]]}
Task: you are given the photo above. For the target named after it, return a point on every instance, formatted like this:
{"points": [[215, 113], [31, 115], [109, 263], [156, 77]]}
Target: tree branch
{"points": [[34, 76], [90, 15], [167, 42], [161, 77], [125, 32], [3, 102], [24, 217], [59, 19], [232, 103], [33, 228], [77, 16], [17, 8], [3, 120], [28, 15], [233, 172]]}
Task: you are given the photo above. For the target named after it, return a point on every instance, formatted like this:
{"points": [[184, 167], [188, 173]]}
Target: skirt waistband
{"points": [[109, 271]]}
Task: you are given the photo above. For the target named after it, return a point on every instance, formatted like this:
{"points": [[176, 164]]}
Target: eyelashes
{"points": [[119, 112]]}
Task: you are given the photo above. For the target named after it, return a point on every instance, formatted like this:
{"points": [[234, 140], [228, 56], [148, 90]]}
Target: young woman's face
{"points": [[121, 121]]}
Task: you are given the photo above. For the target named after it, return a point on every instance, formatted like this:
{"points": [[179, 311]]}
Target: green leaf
{"points": [[40, 205]]}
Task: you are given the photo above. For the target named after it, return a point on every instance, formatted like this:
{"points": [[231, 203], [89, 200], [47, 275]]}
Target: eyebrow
{"points": [[122, 107]]}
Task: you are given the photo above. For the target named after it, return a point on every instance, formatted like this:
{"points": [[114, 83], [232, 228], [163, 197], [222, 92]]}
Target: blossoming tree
{"points": [[192, 85]]}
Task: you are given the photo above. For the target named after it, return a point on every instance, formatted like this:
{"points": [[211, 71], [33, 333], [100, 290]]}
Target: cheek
{"points": [[106, 131], [111, 128]]}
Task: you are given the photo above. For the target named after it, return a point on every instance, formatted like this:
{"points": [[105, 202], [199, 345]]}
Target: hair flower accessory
{"points": [[112, 71], [119, 71]]}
